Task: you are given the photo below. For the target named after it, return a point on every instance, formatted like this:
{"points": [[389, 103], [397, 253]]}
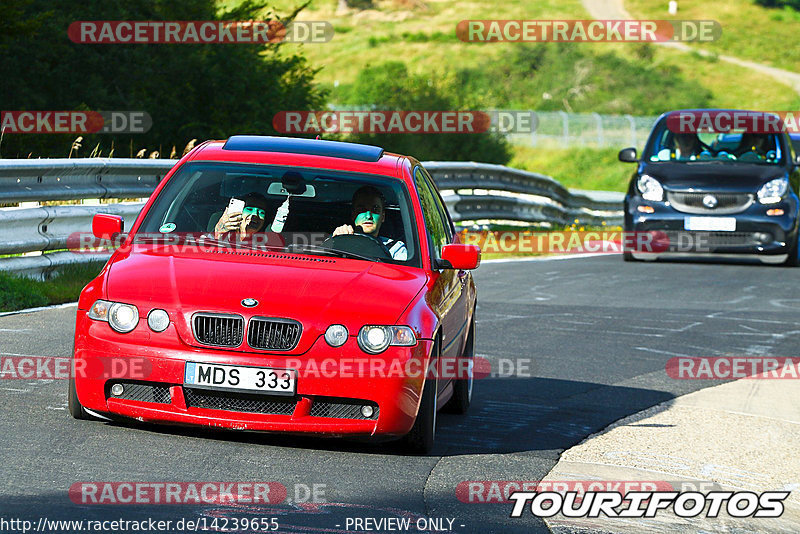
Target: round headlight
{"points": [[123, 317], [374, 339], [158, 320], [336, 335]]}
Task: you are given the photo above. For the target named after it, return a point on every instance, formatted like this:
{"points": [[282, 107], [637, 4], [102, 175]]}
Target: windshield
{"points": [[726, 147], [309, 211]]}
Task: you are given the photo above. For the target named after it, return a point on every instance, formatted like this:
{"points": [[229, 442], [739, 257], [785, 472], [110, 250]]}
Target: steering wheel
{"points": [[359, 243]]}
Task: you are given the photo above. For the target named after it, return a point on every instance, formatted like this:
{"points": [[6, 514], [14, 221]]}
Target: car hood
{"points": [[317, 291], [713, 176]]}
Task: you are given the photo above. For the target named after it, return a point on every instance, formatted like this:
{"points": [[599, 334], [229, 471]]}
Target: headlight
{"points": [[650, 188], [121, 317], [158, 320], [336, 335], [773, 191], [374, 339]]}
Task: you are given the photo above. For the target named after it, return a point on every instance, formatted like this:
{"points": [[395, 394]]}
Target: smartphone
{"points": [[235, 206]]}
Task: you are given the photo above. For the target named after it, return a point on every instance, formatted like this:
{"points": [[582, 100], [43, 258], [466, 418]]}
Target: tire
{"points": [[75, 409], [791, 259], [627, 256], [420, 438], [462, 388]]}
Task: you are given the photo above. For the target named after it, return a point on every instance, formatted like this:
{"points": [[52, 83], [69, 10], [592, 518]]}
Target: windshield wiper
{"points": [[332, 252]]}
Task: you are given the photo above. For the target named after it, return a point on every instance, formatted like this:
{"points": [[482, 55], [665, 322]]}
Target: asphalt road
{"points": [[595, 334]]}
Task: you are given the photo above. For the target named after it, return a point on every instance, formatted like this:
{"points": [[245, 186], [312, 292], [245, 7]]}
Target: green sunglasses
{"points": [[260, 212]]}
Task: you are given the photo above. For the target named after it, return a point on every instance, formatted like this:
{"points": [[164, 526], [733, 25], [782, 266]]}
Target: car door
{"points": [[447, 288], [460, 308]]}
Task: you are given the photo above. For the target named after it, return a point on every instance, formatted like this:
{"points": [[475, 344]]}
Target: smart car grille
{"points": [[726, 202], [218, 330], [273, 333], [235, 402], [341, 408], [143, 393], [698, 241]]}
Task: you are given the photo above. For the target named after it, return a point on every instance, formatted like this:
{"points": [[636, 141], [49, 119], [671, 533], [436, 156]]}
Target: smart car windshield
{"points": [[711, 146], [309, 211]]}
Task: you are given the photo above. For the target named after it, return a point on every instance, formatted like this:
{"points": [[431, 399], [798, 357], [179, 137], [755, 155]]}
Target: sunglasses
{"points": [[259, 212]]}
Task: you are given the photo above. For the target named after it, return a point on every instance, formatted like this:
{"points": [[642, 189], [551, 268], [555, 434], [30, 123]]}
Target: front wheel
{"points": [[462, 386], [420, 438], [76, 410], [791, 258]]}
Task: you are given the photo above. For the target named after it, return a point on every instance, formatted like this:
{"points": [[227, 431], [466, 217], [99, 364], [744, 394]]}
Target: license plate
{"points": [[240, 378], [717, 224]]}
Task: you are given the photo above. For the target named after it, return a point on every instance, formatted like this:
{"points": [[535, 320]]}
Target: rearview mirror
{"points": [[461, 257], [105, 226], [628, 155]]}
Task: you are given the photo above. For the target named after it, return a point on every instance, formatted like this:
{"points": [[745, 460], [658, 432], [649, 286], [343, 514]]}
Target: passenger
{"points": [[251, 219]]}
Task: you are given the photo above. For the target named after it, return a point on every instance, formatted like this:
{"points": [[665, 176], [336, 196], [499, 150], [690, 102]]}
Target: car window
{"points": [[303, 206], [437, 231], [441, 208], [725, 147]]}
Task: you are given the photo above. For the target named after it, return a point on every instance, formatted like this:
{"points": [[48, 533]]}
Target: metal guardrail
{"points": [[503, 193]]}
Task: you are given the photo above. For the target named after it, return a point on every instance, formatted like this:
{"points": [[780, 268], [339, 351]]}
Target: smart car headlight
{"points": [[773, 191], [650, 188], [374, 338], [121, 317]]}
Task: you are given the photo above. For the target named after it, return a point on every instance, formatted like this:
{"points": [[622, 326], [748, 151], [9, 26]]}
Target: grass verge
{"points": [[19, 293]]}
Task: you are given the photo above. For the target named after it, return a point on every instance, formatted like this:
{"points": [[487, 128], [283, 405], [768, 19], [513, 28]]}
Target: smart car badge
{"points": [[710, 201], [249, 303]]}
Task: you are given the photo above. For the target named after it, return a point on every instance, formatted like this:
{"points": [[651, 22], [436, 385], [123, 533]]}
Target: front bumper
{"points": [[756, 233], [326, 403]]}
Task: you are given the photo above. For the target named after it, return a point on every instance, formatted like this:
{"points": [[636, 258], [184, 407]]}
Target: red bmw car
{"points": [[282, 285]]}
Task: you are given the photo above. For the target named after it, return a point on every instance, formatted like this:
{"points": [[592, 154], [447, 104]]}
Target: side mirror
{"points": [[797, 160], [628, 155], [461, 257], [106, 226]]}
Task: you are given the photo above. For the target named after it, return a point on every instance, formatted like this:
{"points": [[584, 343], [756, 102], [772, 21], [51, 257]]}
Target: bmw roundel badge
{"points": [[249, 303]]}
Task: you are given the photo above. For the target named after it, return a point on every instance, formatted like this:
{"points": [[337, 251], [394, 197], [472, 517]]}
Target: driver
{"points": [[368, 215], [687, 146], [252, 218]]}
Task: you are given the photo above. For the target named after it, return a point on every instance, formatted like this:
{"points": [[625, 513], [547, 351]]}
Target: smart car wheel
{"points": [[420, 439], [791, 258], [462, 386]]}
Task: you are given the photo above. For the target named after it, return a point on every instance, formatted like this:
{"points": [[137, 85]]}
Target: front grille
{"points": [[238, 402], [218, 330], [341, 408], [726, 202], [698, 241], [273, 333], [141, 392]]}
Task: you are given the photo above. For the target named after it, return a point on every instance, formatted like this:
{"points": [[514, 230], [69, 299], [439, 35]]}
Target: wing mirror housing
{"points": [[460, 256], [628, 155], [105, 226]]}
